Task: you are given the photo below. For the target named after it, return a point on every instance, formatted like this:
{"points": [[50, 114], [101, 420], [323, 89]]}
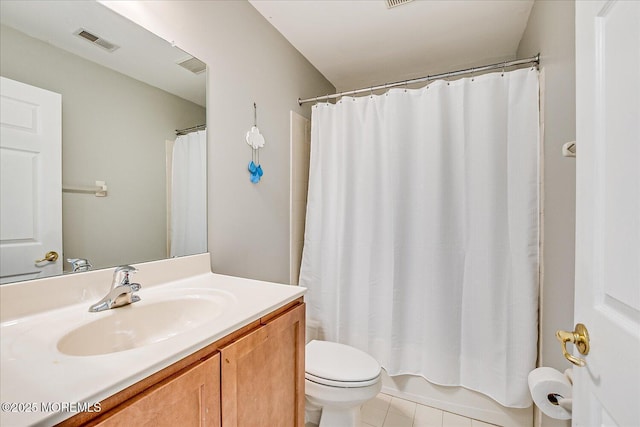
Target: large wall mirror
{"points": [[124, 92]]}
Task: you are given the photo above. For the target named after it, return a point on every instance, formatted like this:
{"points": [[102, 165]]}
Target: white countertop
{"points": [[35, 374]]}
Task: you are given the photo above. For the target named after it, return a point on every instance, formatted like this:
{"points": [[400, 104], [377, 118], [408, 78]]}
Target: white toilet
{"points": [[338, 380]]}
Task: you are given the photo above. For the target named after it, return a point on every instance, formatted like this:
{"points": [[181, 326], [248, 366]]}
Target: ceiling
{"points": [[142, 55], [361, 43]]}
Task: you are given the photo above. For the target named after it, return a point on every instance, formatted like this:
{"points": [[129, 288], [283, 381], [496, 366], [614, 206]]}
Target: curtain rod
{"points": [[532, 60], [191, 129]]}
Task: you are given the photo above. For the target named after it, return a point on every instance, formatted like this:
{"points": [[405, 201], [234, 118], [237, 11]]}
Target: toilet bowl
{"points": [[338, 380]]}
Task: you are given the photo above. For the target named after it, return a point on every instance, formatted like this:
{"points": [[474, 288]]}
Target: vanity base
{"points": [[253, 376]]}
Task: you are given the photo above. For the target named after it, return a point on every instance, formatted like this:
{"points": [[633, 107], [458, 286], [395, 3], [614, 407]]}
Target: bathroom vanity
{"points": [[251, 377], [198, 349]]}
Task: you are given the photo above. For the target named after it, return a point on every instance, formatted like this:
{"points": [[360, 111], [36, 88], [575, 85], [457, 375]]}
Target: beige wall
{"points": [[551, 31], [249, 61], [113, 129]]}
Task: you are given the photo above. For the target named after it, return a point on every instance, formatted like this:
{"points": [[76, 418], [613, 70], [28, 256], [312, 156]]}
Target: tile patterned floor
{"points": [[388, 411]]}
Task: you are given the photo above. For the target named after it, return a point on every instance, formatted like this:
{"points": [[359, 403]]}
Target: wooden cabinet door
{"points": [[191, 398], [263, 375]]}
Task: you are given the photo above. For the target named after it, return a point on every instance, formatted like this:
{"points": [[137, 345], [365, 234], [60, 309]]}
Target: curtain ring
{"points": [[327, 99], [504, 64], [371, 92], [473, 72], [405, 86]]}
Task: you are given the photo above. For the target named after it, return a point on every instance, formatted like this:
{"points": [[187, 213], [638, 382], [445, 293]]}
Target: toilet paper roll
{"points": [[547, 386]]}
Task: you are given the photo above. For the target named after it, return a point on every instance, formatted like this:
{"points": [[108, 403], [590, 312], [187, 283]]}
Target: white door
{"points": [[607, 294], [30, 181]]}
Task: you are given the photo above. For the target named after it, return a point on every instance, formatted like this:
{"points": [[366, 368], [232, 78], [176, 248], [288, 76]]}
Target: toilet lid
{"points": [[339, 362]]}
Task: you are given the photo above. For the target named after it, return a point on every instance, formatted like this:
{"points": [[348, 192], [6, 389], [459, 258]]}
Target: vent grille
{"points": [[97, 40], [394, 3], [193, 64]]}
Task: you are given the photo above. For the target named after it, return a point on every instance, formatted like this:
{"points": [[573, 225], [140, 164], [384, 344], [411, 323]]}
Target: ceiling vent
{"points": [[394, 3], [193, 64], [97, 40]]}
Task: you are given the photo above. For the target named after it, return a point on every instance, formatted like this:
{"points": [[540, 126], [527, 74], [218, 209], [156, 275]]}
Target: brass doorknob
{"points": [[580, 338], [50, 256]]}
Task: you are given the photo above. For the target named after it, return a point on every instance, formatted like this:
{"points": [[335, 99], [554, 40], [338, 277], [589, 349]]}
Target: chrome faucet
{"points": [[79, 264], [121, 290]]}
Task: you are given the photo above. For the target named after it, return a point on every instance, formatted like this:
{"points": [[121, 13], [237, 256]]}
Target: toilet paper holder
{"points": [[578, 337], [559, 400]]}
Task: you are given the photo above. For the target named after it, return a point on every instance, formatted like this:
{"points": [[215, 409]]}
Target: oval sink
{"points": [[138, 325]]}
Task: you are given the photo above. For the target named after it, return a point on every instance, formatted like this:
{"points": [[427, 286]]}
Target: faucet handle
{"points": [[126, 268], [121, 274]]}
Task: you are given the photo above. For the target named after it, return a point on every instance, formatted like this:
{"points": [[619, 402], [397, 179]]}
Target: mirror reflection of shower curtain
{"points": [[188, 230]]}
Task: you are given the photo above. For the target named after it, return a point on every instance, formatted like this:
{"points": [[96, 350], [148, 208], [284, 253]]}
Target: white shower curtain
{"points": [[189, 195], [421, 242]]}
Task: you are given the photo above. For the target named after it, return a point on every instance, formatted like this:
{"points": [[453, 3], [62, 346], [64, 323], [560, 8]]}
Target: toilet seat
{"points": [[343, 384], [338, 365]]}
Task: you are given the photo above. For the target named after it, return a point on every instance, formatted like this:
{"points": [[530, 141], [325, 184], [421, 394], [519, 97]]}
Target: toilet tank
{"points": [[313, 330]]}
